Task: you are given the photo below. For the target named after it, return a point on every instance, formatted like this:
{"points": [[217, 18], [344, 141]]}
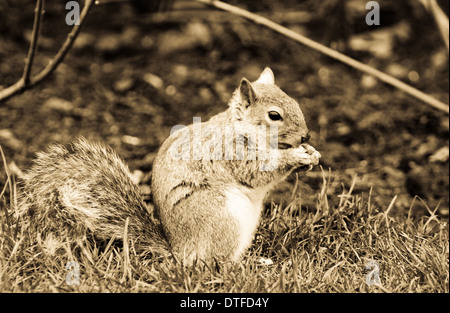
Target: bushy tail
{"points": [[86, 189]]}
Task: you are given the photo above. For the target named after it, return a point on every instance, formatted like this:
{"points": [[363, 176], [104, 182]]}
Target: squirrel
{"points": [[209, 180]]}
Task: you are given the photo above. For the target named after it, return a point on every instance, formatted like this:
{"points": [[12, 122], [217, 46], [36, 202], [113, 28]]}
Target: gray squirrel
{"points": [[209, 181]]}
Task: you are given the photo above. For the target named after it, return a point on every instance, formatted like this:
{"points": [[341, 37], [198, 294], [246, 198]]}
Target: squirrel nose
{"points": [[305, 139]]}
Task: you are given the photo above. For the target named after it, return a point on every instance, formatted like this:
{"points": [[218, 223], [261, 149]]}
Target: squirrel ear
{"points": [[266, 77], [248, 95]]}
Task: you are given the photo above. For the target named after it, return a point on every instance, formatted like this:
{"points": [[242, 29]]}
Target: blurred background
{"points": [[140, 67]]}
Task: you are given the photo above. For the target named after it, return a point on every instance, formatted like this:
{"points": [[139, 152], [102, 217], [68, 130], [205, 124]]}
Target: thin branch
{"points": [[22, 85], [33, 43], [59, 57], [441, 20], [329, 52]]}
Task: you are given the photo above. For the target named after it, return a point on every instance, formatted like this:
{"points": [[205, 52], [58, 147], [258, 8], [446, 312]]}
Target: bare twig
{"points": [[33, 43], [26, 81], [59, 57], [439, 17], [329, 52]]}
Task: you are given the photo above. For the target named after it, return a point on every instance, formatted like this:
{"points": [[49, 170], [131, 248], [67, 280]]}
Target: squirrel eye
{"points": [[275, 116]]}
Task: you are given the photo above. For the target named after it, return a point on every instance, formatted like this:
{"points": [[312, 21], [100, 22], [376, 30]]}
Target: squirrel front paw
{"points": [[305, 155]]}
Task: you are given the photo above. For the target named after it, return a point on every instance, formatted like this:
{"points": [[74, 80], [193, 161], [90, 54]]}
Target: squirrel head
{"points": [[263, 103]]}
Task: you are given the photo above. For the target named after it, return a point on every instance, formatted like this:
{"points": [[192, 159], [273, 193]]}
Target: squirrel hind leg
{"points": [[200, 227]]}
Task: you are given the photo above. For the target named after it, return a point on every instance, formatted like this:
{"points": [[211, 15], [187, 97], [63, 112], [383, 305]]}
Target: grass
{"points": [[322, 250]]}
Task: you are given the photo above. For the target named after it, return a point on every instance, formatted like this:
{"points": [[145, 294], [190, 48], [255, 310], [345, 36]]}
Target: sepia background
{"points": [[140, 67]]}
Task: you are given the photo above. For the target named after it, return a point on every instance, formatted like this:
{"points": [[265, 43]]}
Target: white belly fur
{"points": [[245, 205]]}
